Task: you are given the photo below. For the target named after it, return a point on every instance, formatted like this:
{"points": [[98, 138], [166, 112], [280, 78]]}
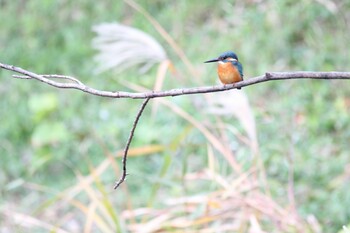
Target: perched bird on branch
{"points": [[230, 70]]}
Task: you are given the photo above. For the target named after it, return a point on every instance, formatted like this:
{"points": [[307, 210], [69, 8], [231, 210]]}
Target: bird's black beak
{"points": [[212, 60]]}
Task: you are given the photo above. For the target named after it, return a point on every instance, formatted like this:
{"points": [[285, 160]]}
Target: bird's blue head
{"points": [[228, 56]]}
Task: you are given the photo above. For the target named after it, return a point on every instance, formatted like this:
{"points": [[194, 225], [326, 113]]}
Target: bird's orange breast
{"points": [[228, 73]]}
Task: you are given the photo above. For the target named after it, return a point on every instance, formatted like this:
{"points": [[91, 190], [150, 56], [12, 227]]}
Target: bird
{"points": [[230, 70]]}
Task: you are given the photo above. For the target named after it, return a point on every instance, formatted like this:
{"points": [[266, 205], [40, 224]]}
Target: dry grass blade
{"points": [[121, 47], [99, 222], [161, 73], [211, 158], [153, 225], [96, 200], [90, 218], [254, 225], [30, 222], [143, 150]]}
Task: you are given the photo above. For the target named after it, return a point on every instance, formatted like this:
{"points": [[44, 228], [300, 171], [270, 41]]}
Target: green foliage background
{"points": [[46, 134]]}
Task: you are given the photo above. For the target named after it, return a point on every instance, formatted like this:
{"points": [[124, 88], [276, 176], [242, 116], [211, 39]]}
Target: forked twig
{"points": [[57, 76], [76, 84], [125, 155]]}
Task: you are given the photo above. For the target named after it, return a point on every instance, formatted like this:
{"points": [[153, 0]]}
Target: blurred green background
{"points": [[50, 138]]}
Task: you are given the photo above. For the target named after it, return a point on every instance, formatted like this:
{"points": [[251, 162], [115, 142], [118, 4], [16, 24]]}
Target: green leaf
{"points": [[49, 133], [42, 105]]}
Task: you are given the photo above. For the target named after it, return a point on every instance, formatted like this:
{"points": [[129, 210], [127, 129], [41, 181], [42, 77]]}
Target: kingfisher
{"points": [[230, 70]]}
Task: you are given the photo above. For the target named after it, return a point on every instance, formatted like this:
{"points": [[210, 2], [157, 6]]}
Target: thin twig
{"points": [[57, 76], [182, 91], [125, 155]]}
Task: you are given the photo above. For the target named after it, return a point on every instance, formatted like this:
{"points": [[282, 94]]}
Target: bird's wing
{"points": [[240, 69]]}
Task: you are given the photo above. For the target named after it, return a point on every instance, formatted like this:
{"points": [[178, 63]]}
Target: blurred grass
{"points": [[48, 136]]}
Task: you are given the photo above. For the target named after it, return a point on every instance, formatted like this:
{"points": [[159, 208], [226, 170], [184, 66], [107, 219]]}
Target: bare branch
{"points": [[125, 155], [181, 91]]}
